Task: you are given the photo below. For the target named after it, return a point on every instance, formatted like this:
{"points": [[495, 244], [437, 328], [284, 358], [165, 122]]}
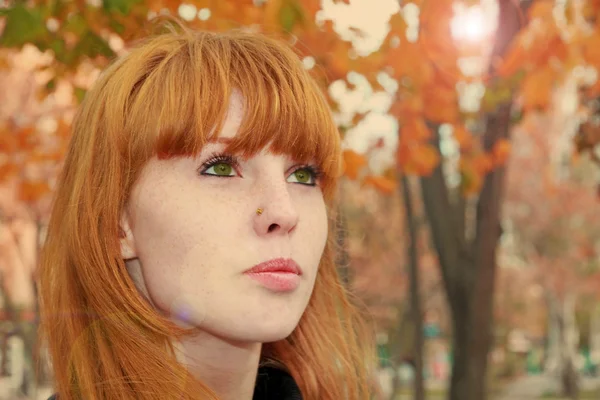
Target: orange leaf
{"points": [[501, 151], [427, 158], [419, 159], [435, 19], [381, 183], [415, 129], [463, 137], [591, 49], [407, 107], [337, 59], [409, 61], [482, 163], [398, 25], [541, 9], [8, 170], [271, 14], [26, 138], [63, 130], [403, 153], [33, 191], [558, 49], [537, 88], [311, 7], [353, 162], [8, 142], [441, 104]]}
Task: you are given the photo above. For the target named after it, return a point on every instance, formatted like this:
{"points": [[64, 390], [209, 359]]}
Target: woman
{"points": [[190, 253]]}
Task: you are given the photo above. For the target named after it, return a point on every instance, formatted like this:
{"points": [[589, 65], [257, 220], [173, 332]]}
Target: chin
{"points": [[267, 332]]}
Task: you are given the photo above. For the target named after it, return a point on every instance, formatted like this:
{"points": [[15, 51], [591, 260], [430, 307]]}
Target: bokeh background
{"points": [[469, 214]]}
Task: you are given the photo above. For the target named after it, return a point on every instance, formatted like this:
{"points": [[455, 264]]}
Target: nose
{"points": [[279, 215]]}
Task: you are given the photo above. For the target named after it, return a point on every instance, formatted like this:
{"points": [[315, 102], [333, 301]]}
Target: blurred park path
{"points": [[537, 386], [529, 387]]}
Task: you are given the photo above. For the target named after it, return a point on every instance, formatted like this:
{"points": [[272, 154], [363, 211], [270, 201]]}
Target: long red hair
{"points": [[166, 98]]}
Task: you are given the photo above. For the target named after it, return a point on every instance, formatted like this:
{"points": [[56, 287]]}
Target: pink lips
{"points": [[278, 275]]}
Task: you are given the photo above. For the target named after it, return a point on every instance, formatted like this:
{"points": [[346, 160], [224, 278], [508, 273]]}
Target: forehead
{"points": [[233, 118]]}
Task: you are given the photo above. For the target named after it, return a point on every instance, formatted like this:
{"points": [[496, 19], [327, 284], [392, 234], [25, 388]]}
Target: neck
{"points": [[228, 368]]}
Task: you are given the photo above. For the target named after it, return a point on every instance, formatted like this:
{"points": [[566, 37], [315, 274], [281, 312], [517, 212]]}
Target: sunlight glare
{"points": [[469, 24]]}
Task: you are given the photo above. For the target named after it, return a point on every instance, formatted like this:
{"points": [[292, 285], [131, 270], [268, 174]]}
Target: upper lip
{"points": [[276, 265]]}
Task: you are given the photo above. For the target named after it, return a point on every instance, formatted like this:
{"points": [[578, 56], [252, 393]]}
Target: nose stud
{"points": [[259, 211]]}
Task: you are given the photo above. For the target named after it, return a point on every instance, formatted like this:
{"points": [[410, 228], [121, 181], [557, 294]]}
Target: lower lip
{"points": [[276, 281]]}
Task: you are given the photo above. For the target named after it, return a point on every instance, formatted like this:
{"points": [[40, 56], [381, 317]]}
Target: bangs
{"points": [[181, 101]]}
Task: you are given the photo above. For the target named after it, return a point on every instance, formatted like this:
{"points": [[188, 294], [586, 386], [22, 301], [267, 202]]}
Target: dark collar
{"points": [[271, 384], [275, 384]]}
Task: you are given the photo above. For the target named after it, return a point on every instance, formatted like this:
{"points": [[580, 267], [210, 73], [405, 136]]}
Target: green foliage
{"points": [[122, 7], [79, 94], [76, 37], [290, 14], [23, 25]]}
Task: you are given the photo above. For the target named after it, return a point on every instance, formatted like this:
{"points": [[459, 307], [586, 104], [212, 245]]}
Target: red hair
{"points": [[166, 98]]}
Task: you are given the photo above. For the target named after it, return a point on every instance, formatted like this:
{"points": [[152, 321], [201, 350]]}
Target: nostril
{"points": [[273, 227]]}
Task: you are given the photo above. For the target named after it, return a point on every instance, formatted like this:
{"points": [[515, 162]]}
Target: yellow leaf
{"points": [[381, 183], [353, 162]]}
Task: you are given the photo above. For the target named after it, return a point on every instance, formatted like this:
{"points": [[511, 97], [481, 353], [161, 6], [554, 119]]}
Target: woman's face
{"points": [[192, 233]]}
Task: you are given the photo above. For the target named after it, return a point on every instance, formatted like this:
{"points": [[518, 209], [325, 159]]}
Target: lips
{"points": [[276, 265], [278, 275]]}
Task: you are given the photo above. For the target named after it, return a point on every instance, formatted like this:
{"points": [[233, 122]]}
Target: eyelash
{"points": [[234, 162], [217, 159]]}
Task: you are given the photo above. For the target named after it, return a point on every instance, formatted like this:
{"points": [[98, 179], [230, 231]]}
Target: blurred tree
{"points": [[557, 237]]}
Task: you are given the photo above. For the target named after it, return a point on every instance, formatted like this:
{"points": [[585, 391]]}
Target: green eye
{"points": [[303, 175], [221, 169]]}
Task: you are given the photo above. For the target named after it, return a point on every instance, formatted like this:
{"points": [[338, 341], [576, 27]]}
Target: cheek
{"points": [[312, 240], [177, 240]]}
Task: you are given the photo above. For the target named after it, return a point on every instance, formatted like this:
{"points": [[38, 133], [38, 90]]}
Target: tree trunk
{"points": [[569, 335], [415, 300], [468, 267]]}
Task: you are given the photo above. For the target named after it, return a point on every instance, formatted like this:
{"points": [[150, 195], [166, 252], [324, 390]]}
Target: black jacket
{"points": [[271, 384]]}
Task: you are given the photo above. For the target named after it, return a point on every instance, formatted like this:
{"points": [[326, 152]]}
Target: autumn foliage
{"points": [[556, 43]]}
